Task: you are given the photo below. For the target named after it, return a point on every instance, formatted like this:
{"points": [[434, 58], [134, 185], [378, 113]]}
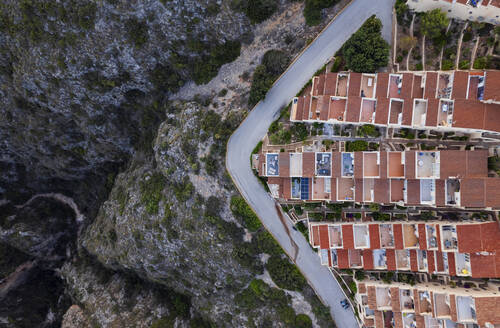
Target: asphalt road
{"points": [[255, 126]]}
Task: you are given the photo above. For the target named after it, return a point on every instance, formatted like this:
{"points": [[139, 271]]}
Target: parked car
{"points": [[344, 303]]}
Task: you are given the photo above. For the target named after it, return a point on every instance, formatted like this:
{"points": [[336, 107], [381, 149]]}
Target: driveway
{"points": [[255, 126]]}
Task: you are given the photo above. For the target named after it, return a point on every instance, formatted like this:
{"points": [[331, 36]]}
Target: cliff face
{"points": [[113, 198]]}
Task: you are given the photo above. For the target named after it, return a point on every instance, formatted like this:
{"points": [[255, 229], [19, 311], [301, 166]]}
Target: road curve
{"points": [[255, 126]]}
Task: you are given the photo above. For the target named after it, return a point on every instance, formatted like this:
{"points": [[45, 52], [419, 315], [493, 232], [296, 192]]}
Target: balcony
{"points": [[422, 260], [431, 234], [355, 258], [386, 236], [449, 238], [463, 264], [406, 300], [410, 236], [395, 85], [445, 85], [442, 305], [403, 259], [379, 259], [368, 82], [452, 189], [466, 309], [425, 302], [428, 164], [383, 298]]}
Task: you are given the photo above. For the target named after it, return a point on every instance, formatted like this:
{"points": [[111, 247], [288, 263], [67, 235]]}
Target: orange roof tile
{"points": [[330, 84], [395, 303], [374, 236], [410, 164], [413, 260], [343, 258], [354, 84], [336, 164], [453, 308], [307, 108], [391, 259], [286, 188], [324, 239], [368, 259], [382, 111], [485, 266], [451, 264], [430, 261], [422, 235], [472, 192], [358, 190], [383, 164], [413, 192], [492, 116], [381, 191], [492, 192], [353, 109], [430, 85], [454, 164], [348, 236], [308, 165], [315, 235], [460, 82], [284, 165], [358, 164], [382, 83], [487, 310], [431, 118], [398, 235], [407, 111], [492, 86], [468, 114], [300, 108], [440, 193]]}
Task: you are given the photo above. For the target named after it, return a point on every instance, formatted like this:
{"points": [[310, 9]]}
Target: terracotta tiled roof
{"points": [[413, 192], [440, 193], [381, 191], [451, 264], [468, 114], [329, 258], [382, 111], [324, 239], [397, 186], [413, 260], [374, 236], [492, 85], [453, 309], [361, 288], [323, 105], [431, 118], [371, 293], [308, 164], [336, 164], [353, 109], [358, 164], [343, 258], [347, 236], [395, 303], [472, 192], [398, 235], [453, 164], [284, 165], [367, 259], [460, 82], [358, 190], [420, 321], [422, 235], [469, 238], [287, 188], [485, 266], [438, 237], [417, 91], [430, 261], [391, 259], [300, 108], [430, 85], [307, 107], [382, 83], [492, 192], [407, 111], [315, 235], [330, 83], [383, 165], [354, 84], [492, 116], [333, 190], [487, 310], [407, 86], [379, 319], [410, 164], [477, 163]]}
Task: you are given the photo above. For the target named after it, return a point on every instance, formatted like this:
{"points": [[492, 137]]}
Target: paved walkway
{"points": [[255, 126]]}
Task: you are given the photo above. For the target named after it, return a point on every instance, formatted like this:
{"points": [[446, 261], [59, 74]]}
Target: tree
{"points": [[366, 50], [433, 23], [260, 10], [312, 10], [407, 42]]}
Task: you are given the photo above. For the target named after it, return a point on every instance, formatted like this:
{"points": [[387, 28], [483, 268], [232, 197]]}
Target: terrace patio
{"points": [[337, 108], [466, 310], [379, 259], [347, 164], [442, 305], [445, 83], [324, 164], [422, 260], [295, 164], [427, 164], [397, 190], [395, 85], [431, 234], [419, 112], [368, 190], [403, 259], [396, 112], [321, 188], [342, 81], [453, 192], [361, 236], [296, 188], [368, 82], [335, 234], [355, 258], [449, 238], [409, 320], [368, 108], [386, 236], [463, 264], [410, 235], [445, 113], [383, 297], [272, 166], [425, 302], [345, 189]]}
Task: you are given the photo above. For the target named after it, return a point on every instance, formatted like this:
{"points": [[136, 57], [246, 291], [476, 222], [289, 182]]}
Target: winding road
{"points": [[255, 126]]}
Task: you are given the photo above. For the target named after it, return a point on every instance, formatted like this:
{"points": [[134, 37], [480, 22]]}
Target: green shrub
{"points": [[464, 64], [447, 64], [467, 36], [151, 190], [260, 10], [285, 274], [339, 60], [303, 321], [358, 145], [274, 62], [206, 67], [433, 23], [399, 59], [312, 10], [241, 210], [137, 31], [366, 50], [419, 67], [480, 63]]}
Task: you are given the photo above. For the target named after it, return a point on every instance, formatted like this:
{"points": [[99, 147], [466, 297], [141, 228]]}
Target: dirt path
{"points": [[411, 49], [460, 44]]}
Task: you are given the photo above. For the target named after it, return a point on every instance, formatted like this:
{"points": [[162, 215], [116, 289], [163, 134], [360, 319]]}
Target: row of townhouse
{"points": [[427, 305], [457, 249], [479, 10], [458, 101], [446, 178]]}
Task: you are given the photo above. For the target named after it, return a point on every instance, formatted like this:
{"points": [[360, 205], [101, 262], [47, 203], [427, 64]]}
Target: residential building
{"points": [[410, 178], [473, 10], [464, 249], [455, 101], [427, 305]]}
